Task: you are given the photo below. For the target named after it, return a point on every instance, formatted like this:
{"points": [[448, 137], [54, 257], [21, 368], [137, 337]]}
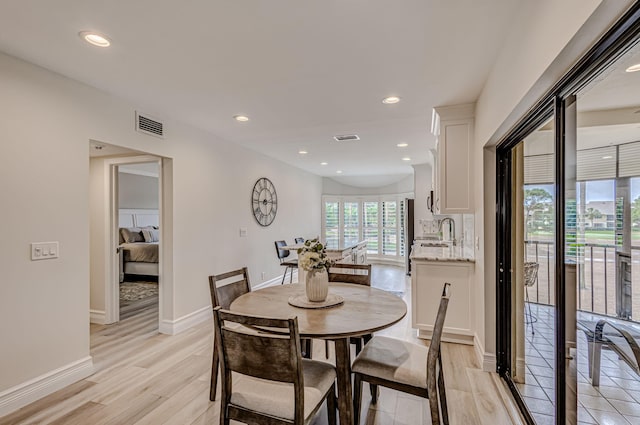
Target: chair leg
{"points": [[595, 365], [284, 275], [291, 276], [375, 392], [331, 405], [531, 318], [214, 373], [442, 396], [358, 343], [307, 348], [357, 397]]}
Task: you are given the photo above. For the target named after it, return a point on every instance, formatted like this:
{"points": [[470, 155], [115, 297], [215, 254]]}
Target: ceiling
{"points": [[301, 71]]}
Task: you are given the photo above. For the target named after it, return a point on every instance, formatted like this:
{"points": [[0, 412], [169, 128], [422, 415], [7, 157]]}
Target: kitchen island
{"points": [[352, 253], [431, 267]]}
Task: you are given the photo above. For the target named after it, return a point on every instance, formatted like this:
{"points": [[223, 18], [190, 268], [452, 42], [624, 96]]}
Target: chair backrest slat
{"points": [[436, 338], [351, 273], [282, 253], [223, 295], [266, 355]]}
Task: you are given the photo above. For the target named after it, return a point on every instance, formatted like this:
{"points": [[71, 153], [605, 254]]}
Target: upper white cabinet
{"points": [[453, 159]]}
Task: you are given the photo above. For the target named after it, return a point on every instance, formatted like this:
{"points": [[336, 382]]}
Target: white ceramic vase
{"points": [[317, 285]]}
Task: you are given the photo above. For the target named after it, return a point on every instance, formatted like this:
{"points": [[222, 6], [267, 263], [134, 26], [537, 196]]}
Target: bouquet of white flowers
{"points": [[312, 256]]}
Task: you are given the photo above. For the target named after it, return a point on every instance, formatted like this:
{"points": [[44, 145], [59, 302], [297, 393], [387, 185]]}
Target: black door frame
{"points": [[615, 43]]}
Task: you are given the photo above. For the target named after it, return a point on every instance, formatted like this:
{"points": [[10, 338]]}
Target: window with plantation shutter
{"points": [[370, 225], [401, 226], [389, 227], [331, 223], [351, 231]]}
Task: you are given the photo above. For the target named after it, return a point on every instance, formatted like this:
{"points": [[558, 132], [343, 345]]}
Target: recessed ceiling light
{"points": [[634, 68], [402, 145], [607, 157], [391, 100], [324, 163], [339, 172], [241, 118], [95, 38], [406, 158]]}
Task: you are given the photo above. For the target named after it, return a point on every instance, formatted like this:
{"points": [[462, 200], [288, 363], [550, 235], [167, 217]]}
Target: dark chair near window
{"points": [[264, 378], [299, 241], [222, 296], [530, 279], [359, 274], [400, 365], [289, 264]]}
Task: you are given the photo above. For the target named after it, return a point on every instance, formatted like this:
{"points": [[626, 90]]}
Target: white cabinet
{"points": [[427, 280], [453, 159]]}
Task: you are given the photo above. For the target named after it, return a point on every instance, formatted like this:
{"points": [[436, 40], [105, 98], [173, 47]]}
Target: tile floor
{"points": [[615, 402]]}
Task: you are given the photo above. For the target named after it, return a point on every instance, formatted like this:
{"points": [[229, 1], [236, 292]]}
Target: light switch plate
{"points": [[243, 232], [44, 250]]}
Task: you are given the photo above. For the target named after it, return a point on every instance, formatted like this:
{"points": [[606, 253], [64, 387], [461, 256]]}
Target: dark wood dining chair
{"points": [[289, 264], [359, 274], [224, 289], [264, 378], [406, 367]]}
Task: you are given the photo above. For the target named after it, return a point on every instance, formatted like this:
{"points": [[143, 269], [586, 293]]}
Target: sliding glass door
{"points": [[568, 281]]}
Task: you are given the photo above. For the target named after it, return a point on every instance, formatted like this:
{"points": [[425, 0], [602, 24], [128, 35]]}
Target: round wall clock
{"points": [[264, 201]]}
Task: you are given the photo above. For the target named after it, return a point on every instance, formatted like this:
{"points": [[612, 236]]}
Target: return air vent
{"points": [[346, 137], [147, 125]]}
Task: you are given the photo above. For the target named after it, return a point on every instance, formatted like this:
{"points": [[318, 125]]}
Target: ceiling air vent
{"points": [[147, 125], [346, 137]]}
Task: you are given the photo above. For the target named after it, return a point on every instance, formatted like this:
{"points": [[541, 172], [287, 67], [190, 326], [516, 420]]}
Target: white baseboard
{"points": [[181, 324], [173, 327], [487, 361], [98, 316], [43, 385], [275, 281]]}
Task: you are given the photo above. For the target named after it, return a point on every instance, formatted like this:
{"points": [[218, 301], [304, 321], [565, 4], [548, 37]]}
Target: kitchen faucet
{"points": [[452, 229]]}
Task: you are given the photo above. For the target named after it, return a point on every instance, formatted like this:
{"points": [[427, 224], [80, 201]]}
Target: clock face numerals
{"points": [[264, 201]]}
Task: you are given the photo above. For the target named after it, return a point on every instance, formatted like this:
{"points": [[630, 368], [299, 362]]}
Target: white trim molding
{"points": [[174, 327], [97, 316], [43, 385], [487, 360], [181, 324], [275, 281]]}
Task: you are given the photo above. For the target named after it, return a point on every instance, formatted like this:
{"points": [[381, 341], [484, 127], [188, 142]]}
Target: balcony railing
{"points": [[596, 276]]}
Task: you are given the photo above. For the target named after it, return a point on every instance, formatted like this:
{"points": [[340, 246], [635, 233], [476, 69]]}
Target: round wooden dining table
{"points": [[365, 310]]}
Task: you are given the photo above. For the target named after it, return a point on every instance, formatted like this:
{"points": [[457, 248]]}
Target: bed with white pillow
{"points": [[139, 244]]}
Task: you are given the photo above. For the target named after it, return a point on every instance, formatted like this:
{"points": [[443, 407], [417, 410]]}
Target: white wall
{"points": [[546, 39], [44, 182], [332, 187], [136, 191]]}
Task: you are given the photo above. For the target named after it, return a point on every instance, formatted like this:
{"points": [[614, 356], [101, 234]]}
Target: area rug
{"points": [[134, 291]]}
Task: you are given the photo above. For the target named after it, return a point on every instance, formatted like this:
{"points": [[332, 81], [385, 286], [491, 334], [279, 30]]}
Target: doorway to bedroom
{"points": [[138, 200], [129, 255]]}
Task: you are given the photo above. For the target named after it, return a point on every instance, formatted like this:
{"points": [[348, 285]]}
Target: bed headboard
{"points": [[129, 217]]}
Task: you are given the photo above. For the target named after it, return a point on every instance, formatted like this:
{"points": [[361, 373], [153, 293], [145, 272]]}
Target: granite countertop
{"points": [[436, 253], [342, 246]]}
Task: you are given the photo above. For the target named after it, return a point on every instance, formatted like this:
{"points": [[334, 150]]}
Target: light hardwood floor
{"points": [[143, 377]]}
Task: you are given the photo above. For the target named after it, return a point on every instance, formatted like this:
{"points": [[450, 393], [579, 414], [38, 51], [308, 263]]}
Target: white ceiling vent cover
{"points": [[346, 137], [149, 125]]}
